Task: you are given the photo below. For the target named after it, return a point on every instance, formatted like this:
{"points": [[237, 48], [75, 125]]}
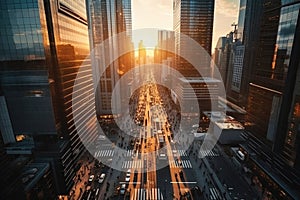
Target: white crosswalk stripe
{"points": [[214, 194], [181, 164], [145, 194], [182, 153], [208, 153], [129, 153], [104, 153], [128, 164]]}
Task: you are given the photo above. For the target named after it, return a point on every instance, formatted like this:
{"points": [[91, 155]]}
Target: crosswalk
{"points": [[128, 164], [208, 153], [179, 152], [214, 194], [104, 153], [181, 164], [145, 194], [130, 153], [111, 152], [182, 153]]}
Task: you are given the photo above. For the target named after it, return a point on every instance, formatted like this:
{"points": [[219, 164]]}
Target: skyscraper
{"points": [[272, 119], [244, 51], [270, 69], [193, 18], [43, 46], [165, 41], [107, 18], [285, 72], [223, 56]]}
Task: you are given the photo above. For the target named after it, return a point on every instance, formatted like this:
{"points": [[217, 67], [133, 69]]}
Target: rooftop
{"points": [[199, 80], [230, 125], [223, 121], [32, 174]]}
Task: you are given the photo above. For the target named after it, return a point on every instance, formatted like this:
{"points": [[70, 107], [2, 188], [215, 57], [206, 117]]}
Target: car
{"points": [[91, 178], [31, 171], [101, 178], [175, 153], [162, 156], [101, 137], [127, 178], [128, 172], [123, 189]]}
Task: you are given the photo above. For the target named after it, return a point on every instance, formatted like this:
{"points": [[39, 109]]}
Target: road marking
{"points": [[181, 164], [182, 153], [104, 153], [191, 182], [123, 182], [132, 164], [143, 194], [129, 153], [208, 153]]}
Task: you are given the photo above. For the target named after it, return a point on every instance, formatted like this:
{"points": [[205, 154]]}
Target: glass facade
{"points": [[241, 20], [249, 23], [291, 143], [267, 41], [23, 67], [237, 68], [262, 110], [44, 45], [195, 19], [21, 31], [277, 33], [284, 43], [106, 19]]}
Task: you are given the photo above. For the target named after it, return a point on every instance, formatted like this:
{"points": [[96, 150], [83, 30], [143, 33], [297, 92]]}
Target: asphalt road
{"points": [[167, 174]]}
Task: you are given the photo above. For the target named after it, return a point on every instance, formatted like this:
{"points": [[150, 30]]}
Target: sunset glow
{"points": [[159, 14]]}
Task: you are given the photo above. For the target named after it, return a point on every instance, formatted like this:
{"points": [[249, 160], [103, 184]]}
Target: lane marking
{"points": [[191, 182]]}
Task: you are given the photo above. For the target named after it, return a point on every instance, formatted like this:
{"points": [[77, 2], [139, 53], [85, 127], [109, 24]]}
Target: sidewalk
{"points": [[202, 170], [219, 172], [81, 179]]}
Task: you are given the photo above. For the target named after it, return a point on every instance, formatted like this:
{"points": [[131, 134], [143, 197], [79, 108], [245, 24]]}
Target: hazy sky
{"points": [[159, 14]]}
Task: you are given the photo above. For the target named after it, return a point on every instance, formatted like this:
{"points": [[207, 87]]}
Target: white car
{"points": [[127, 178], [128, 172], [123, 189], [91, 178], [175, 152], [162, 156], [101, 137], [101, 178]]}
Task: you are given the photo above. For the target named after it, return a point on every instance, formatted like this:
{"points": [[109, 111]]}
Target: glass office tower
{"points": [[272, 66], [193, 18], [106, 19], [42, 48], [285, 70], [272, 118], [244, 49]]}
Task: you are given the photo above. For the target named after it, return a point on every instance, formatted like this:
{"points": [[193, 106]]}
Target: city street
{"points": [[155, 163]]}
